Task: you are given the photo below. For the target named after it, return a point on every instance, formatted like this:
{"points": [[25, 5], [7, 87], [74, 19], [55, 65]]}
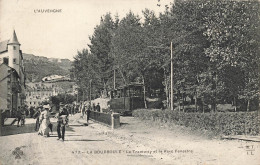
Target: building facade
{"points": [[39, 92], [12, 83]]}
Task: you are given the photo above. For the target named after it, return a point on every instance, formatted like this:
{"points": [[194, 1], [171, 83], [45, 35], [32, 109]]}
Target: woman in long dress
{"points": [[45, 121]]}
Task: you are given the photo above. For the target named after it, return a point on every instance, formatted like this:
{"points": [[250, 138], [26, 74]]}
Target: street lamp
{"points": [[171, 102]]}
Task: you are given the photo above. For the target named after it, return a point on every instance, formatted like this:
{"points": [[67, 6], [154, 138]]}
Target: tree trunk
{"points": [[214, 104], [83, 95], [248, 105], [179, 100], [145, 105], [235, 104], [166, 88], [183, 102], [203, 110], [196, 101]]}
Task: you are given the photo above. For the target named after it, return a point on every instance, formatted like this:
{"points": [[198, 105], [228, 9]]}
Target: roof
{"points": [[13, 70], [133, 84], [3, 46], [14, 39]]}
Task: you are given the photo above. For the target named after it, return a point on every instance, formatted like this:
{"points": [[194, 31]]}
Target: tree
{"points": [[86, 68], [233, 32], [100, 46]]}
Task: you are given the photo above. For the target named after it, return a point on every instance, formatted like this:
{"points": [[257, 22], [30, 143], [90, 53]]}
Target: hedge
{"points": [[219, 123]]}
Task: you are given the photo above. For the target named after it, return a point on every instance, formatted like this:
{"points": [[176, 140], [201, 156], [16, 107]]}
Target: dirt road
{"points": [[135, 142], [82, 145], [177, 145]]}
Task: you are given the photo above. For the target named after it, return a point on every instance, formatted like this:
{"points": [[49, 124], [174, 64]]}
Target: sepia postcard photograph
{"points": [[129, 82]]}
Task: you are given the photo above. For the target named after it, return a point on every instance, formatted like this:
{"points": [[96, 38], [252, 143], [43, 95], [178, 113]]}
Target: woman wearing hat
{"points": [[45, 121]]}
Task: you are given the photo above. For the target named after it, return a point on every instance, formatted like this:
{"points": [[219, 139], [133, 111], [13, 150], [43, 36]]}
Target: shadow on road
{"points": [[124, 124], [13, 129], [73, 135], [83, 140], [27, 128]]}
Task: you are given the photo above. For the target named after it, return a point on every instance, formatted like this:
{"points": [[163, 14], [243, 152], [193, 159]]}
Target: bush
{"points": [[219, 123]]}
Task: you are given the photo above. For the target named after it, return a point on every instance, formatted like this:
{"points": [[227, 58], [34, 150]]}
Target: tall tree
{"points": [[101, 46]]}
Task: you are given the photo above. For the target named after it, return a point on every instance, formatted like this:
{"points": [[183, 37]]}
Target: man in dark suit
{"points": [[62, 122], [98, 107], [36, 116]]}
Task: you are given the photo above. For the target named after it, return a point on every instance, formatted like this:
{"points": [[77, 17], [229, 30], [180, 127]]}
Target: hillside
{"points": [[37, 67]]}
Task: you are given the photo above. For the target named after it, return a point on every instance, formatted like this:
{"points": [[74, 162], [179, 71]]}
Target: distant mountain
{"points": [[37, 67]]}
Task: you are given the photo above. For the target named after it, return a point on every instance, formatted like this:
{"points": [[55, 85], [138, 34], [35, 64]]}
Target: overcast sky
{"points": [[61, 34]]}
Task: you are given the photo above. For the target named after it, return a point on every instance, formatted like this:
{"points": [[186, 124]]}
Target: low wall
{"points": [[109, 119]]}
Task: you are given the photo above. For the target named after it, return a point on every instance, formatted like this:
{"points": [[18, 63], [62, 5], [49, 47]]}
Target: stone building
{"points": [[36, 93], [12, 75], [39, 92]]}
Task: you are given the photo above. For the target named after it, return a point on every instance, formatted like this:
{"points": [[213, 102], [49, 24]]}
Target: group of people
{"points": [[42, 115], [86, 108], [43, 124]]}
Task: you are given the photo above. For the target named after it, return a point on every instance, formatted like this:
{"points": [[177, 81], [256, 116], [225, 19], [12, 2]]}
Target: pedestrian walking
{"points": [[36, 116], [20, 115], [83, 109], [88, 111], [62, 122], [45, 121], [73, 109], [31, 112], [98, 107], [93, 107], [27, 112]]}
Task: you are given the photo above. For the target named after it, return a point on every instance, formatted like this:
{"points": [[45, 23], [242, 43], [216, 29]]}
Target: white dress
{"points": [[45, 121]]}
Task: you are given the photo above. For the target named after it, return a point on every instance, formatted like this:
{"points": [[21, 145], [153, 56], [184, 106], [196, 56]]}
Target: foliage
{"points": [[232, 123], [64, 98], [100, 46], [215, 52]]}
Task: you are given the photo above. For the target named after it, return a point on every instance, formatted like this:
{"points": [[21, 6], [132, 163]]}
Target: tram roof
{"points": [[128, 85]]}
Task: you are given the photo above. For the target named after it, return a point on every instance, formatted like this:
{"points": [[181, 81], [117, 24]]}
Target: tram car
{"points": [[127, 98]]}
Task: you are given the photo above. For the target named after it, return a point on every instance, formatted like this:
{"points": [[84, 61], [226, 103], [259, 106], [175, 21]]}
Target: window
{"points": [[14, 60], [6, 60], [14, 47]]}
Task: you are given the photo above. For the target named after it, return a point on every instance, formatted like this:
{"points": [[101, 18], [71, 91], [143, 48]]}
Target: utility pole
{"points": [[159, 47], [171, 78]]}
